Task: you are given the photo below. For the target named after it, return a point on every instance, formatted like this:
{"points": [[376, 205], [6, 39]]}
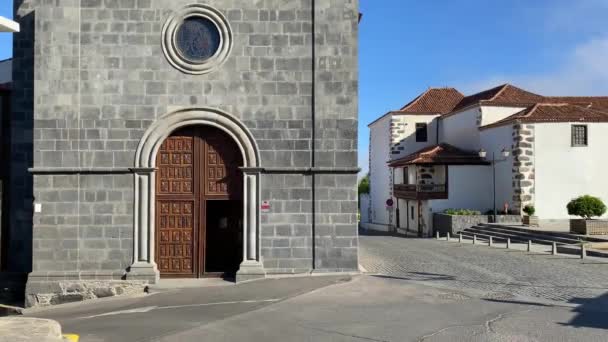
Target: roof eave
{"points": [[7, 25]]}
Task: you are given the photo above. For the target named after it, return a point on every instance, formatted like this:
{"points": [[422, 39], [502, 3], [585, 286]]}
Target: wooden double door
{"points": [[199, 208]]}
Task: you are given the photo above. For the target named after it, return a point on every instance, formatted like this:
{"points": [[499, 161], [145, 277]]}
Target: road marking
{"points": [[151, 308], [121, 312], [221, 303], [71, 337]]}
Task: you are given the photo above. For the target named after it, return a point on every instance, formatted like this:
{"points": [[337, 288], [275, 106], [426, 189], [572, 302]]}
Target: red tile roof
{"points": [[442, 154], [505, 94], [594, 102], [434, 101], [553, 112], [448, 101]]}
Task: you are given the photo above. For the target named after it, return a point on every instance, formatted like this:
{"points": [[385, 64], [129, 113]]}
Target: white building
{"points": [[425, 157]]}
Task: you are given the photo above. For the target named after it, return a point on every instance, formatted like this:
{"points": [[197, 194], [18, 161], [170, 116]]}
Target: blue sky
{"points": [[555, 47]]}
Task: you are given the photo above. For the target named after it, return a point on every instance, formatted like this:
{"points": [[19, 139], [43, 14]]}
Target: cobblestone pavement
{"points": [[499, 273]]}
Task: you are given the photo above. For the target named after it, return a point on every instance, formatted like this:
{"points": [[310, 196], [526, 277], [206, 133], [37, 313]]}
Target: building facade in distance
{"points": [[181, 139], [426, 156]]}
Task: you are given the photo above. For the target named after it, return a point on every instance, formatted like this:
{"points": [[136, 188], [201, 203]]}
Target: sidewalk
{"points": [[26, 329]]}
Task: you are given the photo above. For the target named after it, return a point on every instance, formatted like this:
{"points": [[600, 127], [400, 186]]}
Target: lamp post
{"points": [[505, 155]]}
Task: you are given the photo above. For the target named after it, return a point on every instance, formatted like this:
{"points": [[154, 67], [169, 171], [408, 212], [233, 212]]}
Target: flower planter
{"points": [[589, 227], [453, 224], [531, 221]]}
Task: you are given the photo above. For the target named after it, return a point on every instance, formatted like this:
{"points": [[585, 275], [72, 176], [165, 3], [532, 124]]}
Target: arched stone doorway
{"points": [[146, 172], [199, 204]]}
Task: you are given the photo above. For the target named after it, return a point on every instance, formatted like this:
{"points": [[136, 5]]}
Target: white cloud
{"points": [[584, 72], [575, 16]]}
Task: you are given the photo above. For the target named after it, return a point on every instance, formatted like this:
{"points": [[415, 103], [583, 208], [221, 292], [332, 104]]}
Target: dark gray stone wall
{"points": [[101, 79]]}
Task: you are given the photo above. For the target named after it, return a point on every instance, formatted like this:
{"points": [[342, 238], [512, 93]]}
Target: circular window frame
{"points": [[172, 51]]}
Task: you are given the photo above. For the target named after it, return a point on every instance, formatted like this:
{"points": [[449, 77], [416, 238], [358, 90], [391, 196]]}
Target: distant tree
{"points": [[364, 185]]}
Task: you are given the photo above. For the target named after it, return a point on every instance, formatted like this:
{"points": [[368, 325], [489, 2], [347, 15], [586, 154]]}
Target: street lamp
{"points": [[505, 155]]}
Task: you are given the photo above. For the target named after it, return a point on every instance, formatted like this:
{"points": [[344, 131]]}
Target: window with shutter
{"points": [[421, 132], [579, 135]]}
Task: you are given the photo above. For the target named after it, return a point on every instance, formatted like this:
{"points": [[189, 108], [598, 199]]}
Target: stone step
{"points": [[503, 236], [547, 233], [527, 235], [565, 246]]}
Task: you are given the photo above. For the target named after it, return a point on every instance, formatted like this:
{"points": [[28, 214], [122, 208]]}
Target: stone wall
{"points": [[102, 80], [398, 127], [523, 166], [453, 224]]}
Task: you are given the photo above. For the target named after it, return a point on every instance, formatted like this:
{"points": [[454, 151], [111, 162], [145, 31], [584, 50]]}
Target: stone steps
{"points": [[519, 235], [547, 233], [566, 243]]}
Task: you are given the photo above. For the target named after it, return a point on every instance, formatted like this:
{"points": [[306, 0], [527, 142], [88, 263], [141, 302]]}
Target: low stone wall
{"points": [[589, 227], [506, 219], [454, 224], [54, 288]]}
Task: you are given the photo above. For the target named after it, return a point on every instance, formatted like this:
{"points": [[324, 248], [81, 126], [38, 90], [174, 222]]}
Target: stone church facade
{"points": [[180, 139]]}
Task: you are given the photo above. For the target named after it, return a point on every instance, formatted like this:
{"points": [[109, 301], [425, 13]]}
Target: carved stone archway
{"points": [[144, 265]]}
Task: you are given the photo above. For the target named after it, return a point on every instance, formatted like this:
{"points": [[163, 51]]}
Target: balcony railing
{"points": [[421, 191]]}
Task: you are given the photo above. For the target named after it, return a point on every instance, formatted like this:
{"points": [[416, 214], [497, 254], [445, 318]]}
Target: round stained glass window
{"points": [[197, 39]]}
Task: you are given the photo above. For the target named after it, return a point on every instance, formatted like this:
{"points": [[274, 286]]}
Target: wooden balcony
{"points": [[421, 191]]}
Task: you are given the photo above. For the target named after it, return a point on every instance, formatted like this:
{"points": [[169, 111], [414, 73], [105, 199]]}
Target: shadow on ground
{"points": [[591, 313]]}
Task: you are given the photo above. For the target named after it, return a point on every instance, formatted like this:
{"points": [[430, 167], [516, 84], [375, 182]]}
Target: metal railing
{"points": [[421, 187], [490, 241]]}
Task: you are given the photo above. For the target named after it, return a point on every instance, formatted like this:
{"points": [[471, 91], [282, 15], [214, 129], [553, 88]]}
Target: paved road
{"points": [[497, 272], [163, 314], [421, 290]]}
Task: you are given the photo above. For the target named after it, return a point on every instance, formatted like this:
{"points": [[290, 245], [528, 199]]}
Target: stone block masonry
{"points": [[102, 81], [523, 166]]}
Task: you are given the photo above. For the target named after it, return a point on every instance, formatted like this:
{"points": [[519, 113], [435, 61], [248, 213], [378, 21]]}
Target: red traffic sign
{"points": [[390, 202], [265, 206]]}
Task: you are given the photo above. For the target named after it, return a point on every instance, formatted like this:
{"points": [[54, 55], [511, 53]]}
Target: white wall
{"points": [[468, 189], [461, 129], [6, 71], [564, 172], [399, 175], [379, 171], [404, 133], [491, 114], [493, 140], [364, 209], [405, 208]]}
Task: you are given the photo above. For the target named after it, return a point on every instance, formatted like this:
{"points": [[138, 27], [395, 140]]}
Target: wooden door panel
{"points": [[222, 160], [194, 164], [176, 231], [176, 217]]}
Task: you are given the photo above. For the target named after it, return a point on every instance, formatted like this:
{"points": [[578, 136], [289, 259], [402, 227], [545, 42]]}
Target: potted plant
{"points": [[529, 218], [587, 207]]}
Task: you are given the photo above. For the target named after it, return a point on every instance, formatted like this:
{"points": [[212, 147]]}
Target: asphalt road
{"points": [[166, 313], [416, 290]]}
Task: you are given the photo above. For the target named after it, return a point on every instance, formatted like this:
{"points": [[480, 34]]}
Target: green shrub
{"points": [[364, 185], [529, 210], [464, 212], [586, 207]]}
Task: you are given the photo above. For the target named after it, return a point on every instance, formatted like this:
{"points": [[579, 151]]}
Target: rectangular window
{"points": [[406, 176], [421, 132], [579, 135], [412, 212]]}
